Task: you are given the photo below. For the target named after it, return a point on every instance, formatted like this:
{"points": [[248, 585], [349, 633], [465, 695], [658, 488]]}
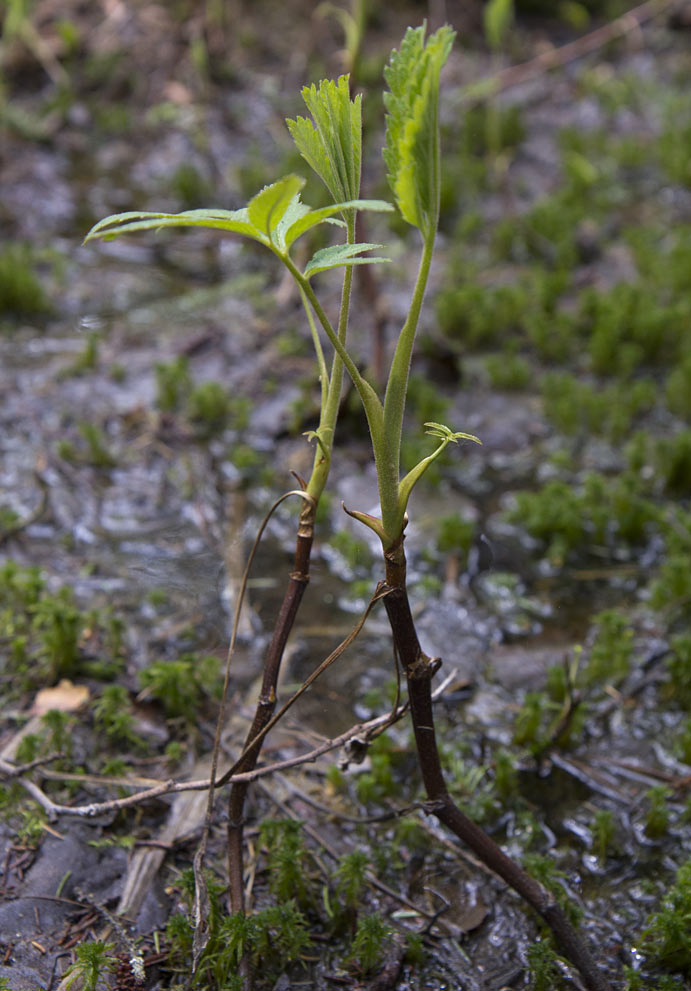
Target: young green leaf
{"points": [[373, 522], [445, 436], [266, 210], [310, 218], [340, 254], [279, 219], [443, 432], [233, 221], [331, 143], [412, 125]]}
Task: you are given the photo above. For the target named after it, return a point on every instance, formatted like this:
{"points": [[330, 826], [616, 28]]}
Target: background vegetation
{"points": [[154, 397]]}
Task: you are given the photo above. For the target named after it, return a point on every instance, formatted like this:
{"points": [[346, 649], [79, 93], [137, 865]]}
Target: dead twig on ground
{"points": [[171, 787], [22, 524], [555, 58]]}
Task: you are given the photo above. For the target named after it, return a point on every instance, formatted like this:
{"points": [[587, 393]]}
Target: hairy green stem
{"points": [[396, 389], [329, 412], [370, 401]]}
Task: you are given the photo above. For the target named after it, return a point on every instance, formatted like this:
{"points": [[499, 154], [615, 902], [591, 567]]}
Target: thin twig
{"points": [[17, 770], [307, 683], [171, 787], [554, 58], [14, 528], [201, 897], [38, 796]]}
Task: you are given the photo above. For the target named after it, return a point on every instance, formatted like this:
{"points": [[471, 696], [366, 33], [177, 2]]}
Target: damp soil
{"points": [[126, 116]]}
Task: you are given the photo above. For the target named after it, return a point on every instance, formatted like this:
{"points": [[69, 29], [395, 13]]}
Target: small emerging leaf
{"points": [[407, 484], [340, 254], [444, 433], [373, 522], [320, 437]]}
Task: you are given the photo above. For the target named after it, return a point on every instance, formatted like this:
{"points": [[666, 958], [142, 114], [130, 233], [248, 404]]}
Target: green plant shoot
{"points": [[276, 218], [412, 157]]}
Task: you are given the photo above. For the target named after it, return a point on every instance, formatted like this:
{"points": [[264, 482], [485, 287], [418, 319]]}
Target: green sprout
{"points": [[93, 962], [330, 142], [288, 858], [657, 812], [352, 874], [369, 943], [667, 935], [604, 834], [113, 715], [543, 966], [277, 218]]}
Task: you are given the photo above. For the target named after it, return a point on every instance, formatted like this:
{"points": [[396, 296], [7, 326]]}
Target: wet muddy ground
{"points": [[119, 482]]}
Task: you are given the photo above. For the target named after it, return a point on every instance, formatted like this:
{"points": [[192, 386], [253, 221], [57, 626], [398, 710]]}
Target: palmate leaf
{"points": [[442, 432], [276, 217], [340, 254], [331, 143], [411, 152]]}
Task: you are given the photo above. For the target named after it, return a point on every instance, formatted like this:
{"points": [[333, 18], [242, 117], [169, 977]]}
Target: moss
{"points": [[209, 408], [479, 316], [544, 971], [509, 371], [674, 149], [371, 940], [576, 407], [679, 669], [455, 534], [678, 388], [489, 129], [190, 186], [596, 512], [671, 590], [180, 685], [604, 834], [627, 327], [673, 461], [173, 383], [611, 651], [666, 937], [21, 292]]}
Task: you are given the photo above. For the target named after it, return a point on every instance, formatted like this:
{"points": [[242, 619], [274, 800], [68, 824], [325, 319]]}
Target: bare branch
{"points": [[553, 58], [171, 787]]}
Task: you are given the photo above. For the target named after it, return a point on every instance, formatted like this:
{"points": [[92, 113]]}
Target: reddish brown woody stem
{"points": [[419, 669], [299, 578]]}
